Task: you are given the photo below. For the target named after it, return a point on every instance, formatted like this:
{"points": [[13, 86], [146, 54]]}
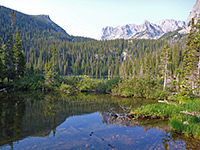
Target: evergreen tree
{"points": [[197, 56], [2, 63], [165, 59], [9, 53], [19, 56], [50, 69], [190, 61]]}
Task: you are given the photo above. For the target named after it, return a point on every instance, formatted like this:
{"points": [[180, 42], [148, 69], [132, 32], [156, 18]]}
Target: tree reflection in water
{"points": [[25, 114]]}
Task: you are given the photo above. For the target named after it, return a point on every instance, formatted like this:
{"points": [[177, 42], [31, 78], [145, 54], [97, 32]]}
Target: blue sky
{"points": [[88, 17]]}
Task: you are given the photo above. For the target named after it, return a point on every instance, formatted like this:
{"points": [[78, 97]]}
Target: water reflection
{"points": [[83, 121]]}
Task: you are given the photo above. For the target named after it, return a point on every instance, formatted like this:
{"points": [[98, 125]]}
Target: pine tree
{"points": [[50, 69], [9, 53], [190, 61], [165, 61], [19, 56], [197, 50], [2, 63]]}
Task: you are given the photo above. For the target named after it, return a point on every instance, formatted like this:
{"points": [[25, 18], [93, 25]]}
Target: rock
{"points": [[186, 123], [194, 14]]}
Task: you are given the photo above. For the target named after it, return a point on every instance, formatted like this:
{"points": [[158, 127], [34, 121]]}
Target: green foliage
{"points": [[65, 87], [189, 125], [191, 61], [155, 111], [19, 57], [126, 93], [2, 61], [86, 84], [50, 69], [174, 35], [144, 87], [9, 51], [166, 110], [33, 82], [106, 86], [12, 60], [72, 81], [165, 59]]}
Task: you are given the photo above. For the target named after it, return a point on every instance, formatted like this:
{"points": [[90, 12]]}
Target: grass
{"points": [[187, 124]]}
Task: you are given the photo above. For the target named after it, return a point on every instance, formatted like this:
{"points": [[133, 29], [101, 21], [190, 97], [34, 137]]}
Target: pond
{"points": [[34, 120]]}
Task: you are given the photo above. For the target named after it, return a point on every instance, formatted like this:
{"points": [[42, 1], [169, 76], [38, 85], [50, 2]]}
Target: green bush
{"points": [[101, 86], [65, 87], [72, 81], [126, 93], [105, 86], [86, 84], [33, 82], [143, 87]]}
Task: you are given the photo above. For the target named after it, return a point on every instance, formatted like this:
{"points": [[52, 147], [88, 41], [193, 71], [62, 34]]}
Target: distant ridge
{"points": [[146, 30], [34, 26]]}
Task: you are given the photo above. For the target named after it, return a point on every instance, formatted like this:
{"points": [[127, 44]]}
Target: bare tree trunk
{"points": [[177, 80], [199, 67], [198, 76], [108, 74], [165, 77], [193, 84], [141, 70], [16, 65]]}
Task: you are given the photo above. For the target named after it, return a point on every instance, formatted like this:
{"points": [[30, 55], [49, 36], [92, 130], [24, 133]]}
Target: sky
{"points": [[88, 17]]}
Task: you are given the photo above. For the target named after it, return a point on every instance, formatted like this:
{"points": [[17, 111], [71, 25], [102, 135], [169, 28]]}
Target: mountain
{"points": [[146, 30], [34, 27], [194, 14], [31, 26]]}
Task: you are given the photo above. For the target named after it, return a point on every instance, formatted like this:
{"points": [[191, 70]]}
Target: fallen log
{"points": [[1, 90], [165, 101], [191, 114]]}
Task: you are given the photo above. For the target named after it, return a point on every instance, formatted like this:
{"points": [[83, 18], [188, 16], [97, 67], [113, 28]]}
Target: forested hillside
{"points": [[113, 58], [37, 32], [84, 56]]}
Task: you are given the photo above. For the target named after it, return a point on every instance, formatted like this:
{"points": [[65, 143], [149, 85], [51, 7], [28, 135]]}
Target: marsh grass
{"points": [[187, 124]]}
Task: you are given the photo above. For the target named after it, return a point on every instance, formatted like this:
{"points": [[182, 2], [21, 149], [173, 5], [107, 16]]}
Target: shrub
{"points": [[105, 86], [33, 82], [143, 87], [126, 93], [65, 87]]}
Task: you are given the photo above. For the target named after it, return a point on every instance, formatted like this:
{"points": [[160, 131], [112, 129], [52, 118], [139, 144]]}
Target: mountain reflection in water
{"points": [[83, 121]]}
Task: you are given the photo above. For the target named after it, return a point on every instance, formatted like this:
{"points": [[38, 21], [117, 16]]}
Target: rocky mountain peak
{"points": [[146, 30], [46, 17], [146, 22], [195, 13]]}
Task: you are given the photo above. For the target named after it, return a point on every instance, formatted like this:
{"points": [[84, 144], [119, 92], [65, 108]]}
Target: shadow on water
{"points": [[33, 114]]}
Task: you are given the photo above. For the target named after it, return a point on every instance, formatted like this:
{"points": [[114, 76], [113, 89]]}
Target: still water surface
{"points": [[84, 121]]}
